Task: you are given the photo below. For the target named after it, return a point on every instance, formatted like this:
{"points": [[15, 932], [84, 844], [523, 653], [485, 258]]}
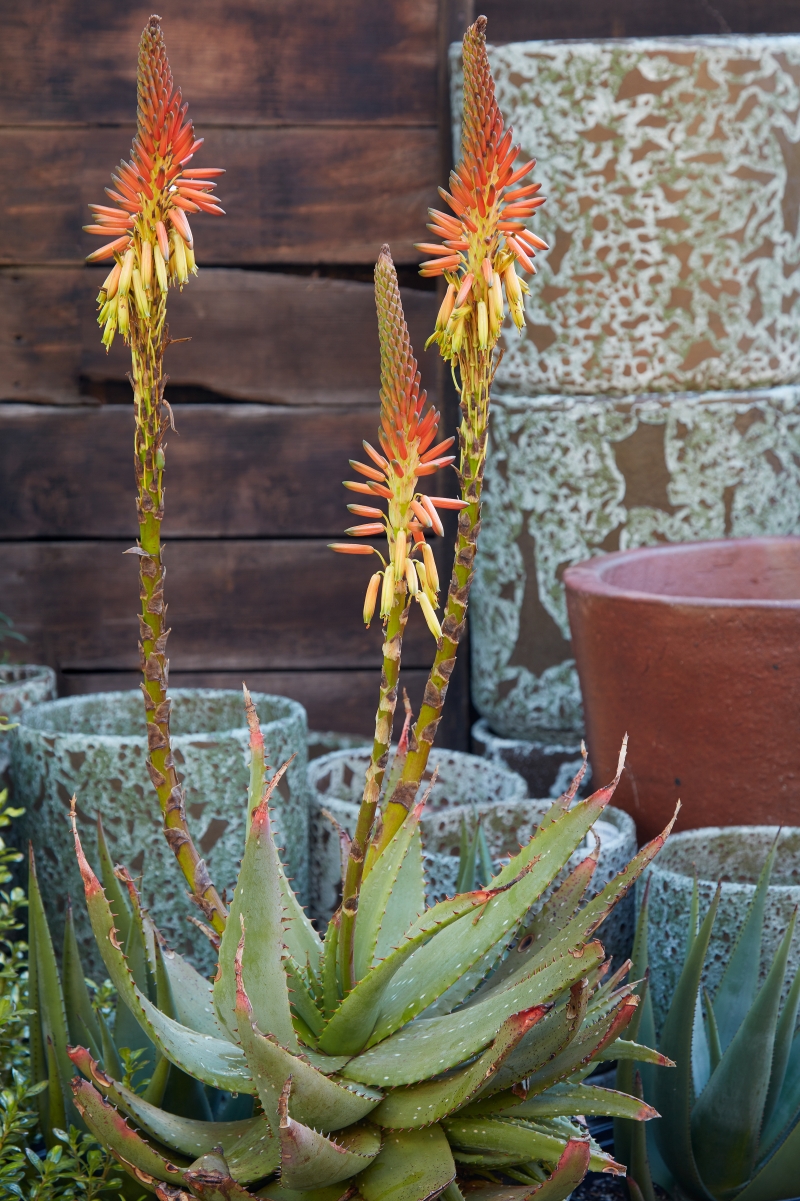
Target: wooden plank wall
{"points": [[333, 123]]}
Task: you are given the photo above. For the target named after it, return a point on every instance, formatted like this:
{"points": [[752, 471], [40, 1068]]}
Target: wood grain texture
{"points": [[281, 61], [295, 195], [523, 20], [255, 335], [334, 700], [247, 471], [235, 604]]}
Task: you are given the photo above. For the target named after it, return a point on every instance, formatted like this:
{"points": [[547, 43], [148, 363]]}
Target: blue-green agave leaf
{"points": [[412, 1166], [779, 1176], [81, 1020], [783, 1046]]}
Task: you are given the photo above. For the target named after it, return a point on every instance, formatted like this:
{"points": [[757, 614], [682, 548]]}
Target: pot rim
{"points": [[33, 672], [295, 710], [589, 576], [711, 832]]}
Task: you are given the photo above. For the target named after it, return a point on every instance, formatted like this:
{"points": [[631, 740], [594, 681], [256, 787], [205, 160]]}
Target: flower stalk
{"points": [[483, 238], [153, 249]]}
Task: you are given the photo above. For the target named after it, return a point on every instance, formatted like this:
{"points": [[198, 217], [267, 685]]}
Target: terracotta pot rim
{"points": [[589, 576]]}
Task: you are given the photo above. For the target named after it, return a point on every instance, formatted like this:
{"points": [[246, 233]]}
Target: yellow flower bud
{"points": [[108, 332], [126, 273], [458, 335], [446, 307], [430, 567], [411, 577], [498, 307], [161, 269], [140, 294], [430, 617], [387, 592], [518, 315], [178, 259], [400, 551], [191, 263], [483, 324], [123, 315], [371, 597], [513, 290], [147, 263]]}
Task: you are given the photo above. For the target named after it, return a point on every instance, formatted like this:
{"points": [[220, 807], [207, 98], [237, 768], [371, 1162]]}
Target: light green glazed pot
{"points": [[94, 746], [21, 686]]}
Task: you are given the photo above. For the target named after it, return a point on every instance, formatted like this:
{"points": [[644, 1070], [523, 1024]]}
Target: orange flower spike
{"points": [[153, 191]]}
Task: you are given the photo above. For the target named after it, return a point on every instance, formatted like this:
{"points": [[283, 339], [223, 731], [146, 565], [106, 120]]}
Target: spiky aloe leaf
{"points": [[783, 1046], [376, 892], [52, 1017], [317, 1100], [248, 1144], [128, 1032], [257, 907], [432, 1045], [38, 1047], [111, 1129], [520, 1139], [350, 1026], [212, 1060], [778, 1177], [565, 1100], [739, 982], [544, 1042], [468, 858], [412, 1166], [726, 1118], [81, 1019], [568, 1174], [308, 1021], [310, 1160], [194, 999], [673, 1090], [211, 1179], [590, 1041], [169, 1086], [424, 1104], [117, 895], [331, 991], [443, 960], [406, 901]]}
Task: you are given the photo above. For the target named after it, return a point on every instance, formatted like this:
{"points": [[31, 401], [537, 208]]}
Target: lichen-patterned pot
{"points": [[671, 171], [22, 685], [507, 825], [547, 765], [94, 746], [568, 478], [734, 855], [461, 780]]}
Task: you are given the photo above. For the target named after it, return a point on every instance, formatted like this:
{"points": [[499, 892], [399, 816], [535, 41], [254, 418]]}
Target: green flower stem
{"points": [[392, 644], [148, 343], [475, 370]]}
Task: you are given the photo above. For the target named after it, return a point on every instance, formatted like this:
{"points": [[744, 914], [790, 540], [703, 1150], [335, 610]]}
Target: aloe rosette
{"points": [[458, 1054]]}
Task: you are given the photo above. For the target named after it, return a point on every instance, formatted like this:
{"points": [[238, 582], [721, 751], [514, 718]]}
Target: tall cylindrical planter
{"points": [[694, 651], [734, 855], [94, 746], [651, 395], [21, 686]]}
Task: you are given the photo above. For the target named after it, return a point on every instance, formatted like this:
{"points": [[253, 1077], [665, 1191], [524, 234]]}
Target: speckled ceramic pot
{"points": [[95, 747], [670, 167], [571, 478], [547, 765], [507, 825], [22, 685], [734, 855]]}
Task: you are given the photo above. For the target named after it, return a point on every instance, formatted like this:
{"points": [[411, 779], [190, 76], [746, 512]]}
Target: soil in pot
{"points": [[94, 746]]}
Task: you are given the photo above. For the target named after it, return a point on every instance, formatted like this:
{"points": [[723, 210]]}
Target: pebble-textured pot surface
{"points": [[95, 747], [21, 686], [570, 478], [670, 166], [694, 650], [547, 765], [735, 856], [507, 825]]}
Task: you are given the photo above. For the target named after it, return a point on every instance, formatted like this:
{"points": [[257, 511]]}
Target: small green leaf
{"points": [[406, 901], [568, 1099], [468, 858], [377, 890], [310, 1160], [117, 895], [412, 1166], [588, 1044]]}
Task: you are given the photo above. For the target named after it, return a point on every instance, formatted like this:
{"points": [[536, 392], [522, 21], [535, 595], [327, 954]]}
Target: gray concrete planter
{"points": [[21, 686], [547, 765], [467, 786], [569, 478], [95, 746], [735, 855]]}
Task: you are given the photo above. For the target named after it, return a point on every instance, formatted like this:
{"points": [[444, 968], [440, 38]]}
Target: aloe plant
{"points": [[730, 1128]]}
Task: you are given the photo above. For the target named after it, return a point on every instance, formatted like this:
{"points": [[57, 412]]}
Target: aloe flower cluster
{"points": [[152, 247]]}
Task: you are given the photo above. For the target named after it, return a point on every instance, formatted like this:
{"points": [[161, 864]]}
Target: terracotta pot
{"points": [[694, 650]]}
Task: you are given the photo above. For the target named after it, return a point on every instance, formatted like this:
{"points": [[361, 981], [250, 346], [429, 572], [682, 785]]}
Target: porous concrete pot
{"points": [[21, 686], [95, 747], [670, 167], [569, 478], [734, 855], [694, 650], [547, 765]]}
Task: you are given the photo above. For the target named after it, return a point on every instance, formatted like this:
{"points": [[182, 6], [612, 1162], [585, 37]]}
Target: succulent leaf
{"points": [[412, 1166], [406, 901], [257, 908], [519, 1139], [432, 1045], [191, 992], [81, 1020], [429, 1102], [210, 1179], [117, 895], [110, 1128], [589, 1042], [564, 1100], [310, 1160], [303, 1004], [376, 892], [726, 1118], [569, 1172], [778, 1177]]}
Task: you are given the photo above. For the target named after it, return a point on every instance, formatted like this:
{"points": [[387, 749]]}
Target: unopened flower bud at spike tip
{"points": [[371, 597]]}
